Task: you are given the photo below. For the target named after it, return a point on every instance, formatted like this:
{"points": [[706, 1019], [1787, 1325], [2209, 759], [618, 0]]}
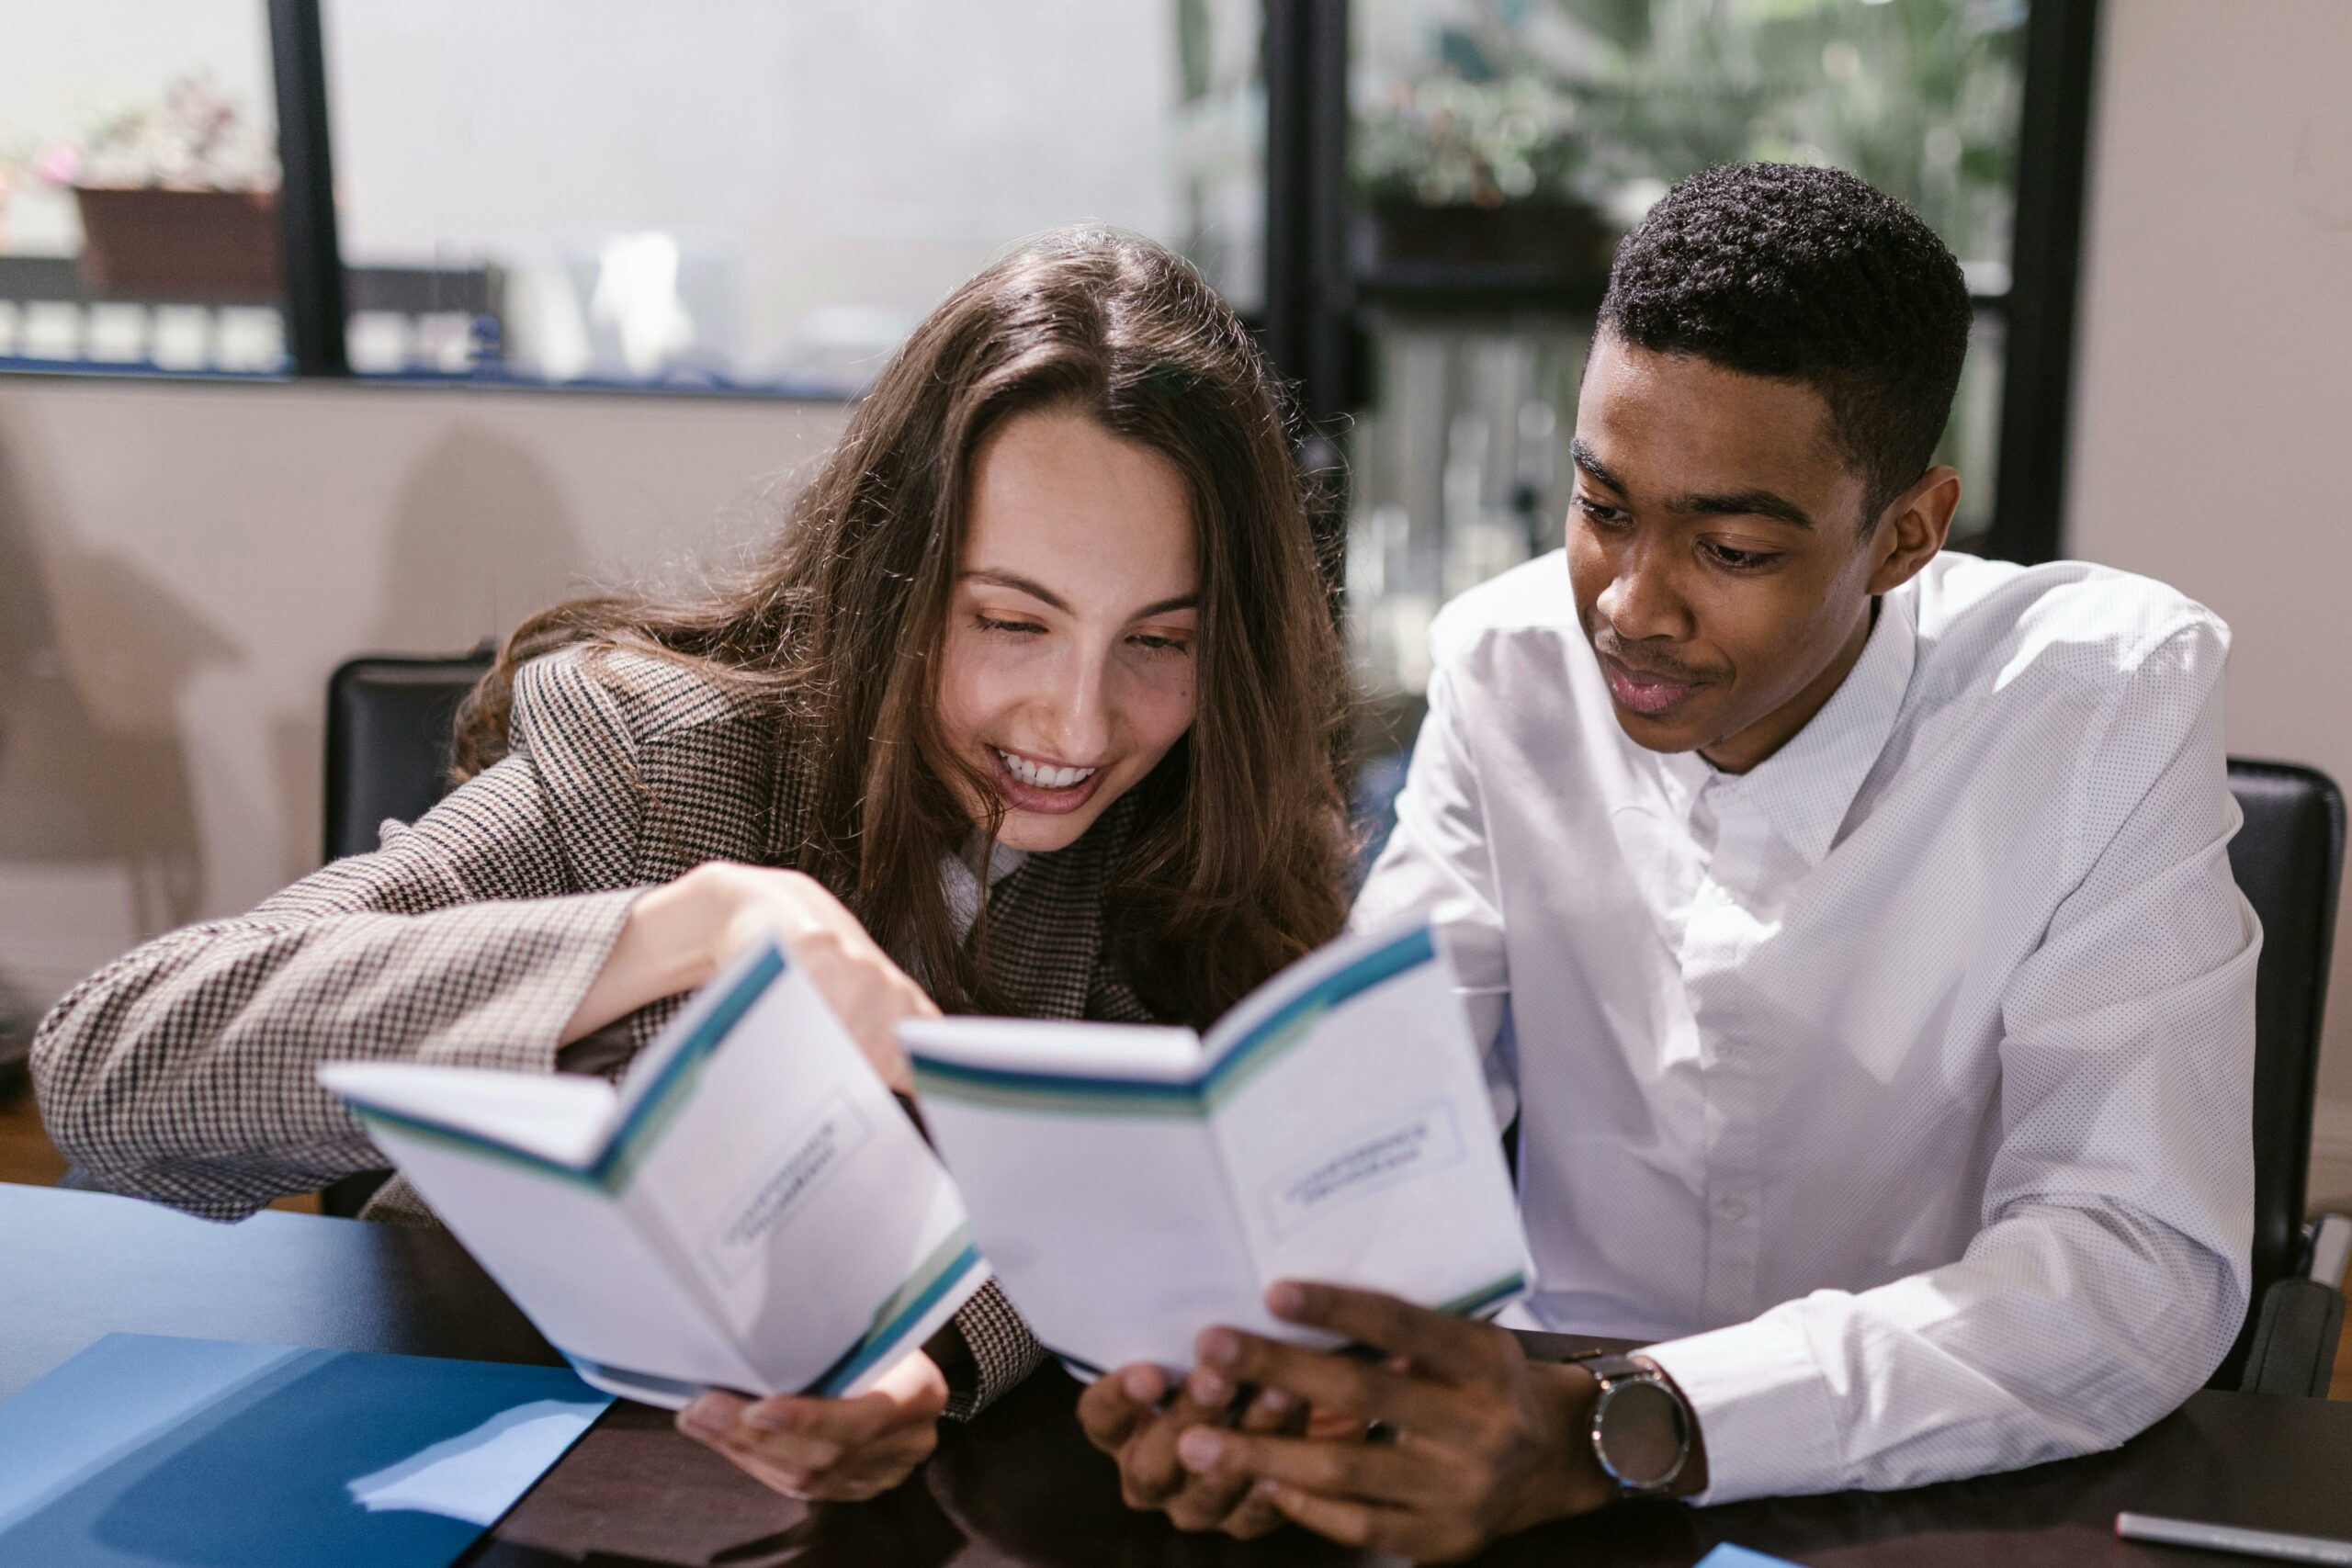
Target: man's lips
{"points": [[1650, 695]]}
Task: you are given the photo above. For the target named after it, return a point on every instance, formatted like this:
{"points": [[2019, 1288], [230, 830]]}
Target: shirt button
{"points": [[1730, 1209]]}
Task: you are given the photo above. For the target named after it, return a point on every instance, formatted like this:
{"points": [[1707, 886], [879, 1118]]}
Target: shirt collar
{"points": [[1806, 787]]}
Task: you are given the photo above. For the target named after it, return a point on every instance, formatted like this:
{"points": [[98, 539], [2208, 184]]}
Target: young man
{"points": [[1852, 922]]}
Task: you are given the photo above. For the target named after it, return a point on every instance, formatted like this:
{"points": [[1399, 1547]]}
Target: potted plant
{"points": [[177, 199], [1480, 178]]}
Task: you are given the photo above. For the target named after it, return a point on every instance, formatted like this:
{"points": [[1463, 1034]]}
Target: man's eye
{"points": [[1739, 560], [990, 623], [1606, 516]]}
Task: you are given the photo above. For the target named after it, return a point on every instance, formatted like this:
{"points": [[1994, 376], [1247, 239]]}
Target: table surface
{"points": [[1020, 1486]]}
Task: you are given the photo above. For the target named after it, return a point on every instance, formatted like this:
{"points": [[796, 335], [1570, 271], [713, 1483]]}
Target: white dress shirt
{"points": [[1902, 1085]]}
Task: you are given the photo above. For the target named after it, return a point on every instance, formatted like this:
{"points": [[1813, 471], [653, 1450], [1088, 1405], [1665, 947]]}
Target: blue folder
{"points": [[1730, 1556], [151, 1452]]}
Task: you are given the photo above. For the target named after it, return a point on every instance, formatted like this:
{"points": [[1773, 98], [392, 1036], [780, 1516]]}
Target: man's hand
{"points": [[1486, 1443], [1128, 1414], [827, 1450]]}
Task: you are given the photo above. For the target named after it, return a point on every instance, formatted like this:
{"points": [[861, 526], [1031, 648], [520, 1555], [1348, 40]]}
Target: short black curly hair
{"points": [[1806, 275]]}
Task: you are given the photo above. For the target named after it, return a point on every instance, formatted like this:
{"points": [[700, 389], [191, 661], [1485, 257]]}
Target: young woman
{"points": [[1031, 708]]}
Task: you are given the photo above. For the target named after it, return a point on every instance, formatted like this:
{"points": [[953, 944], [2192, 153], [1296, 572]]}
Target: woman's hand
{"points": [[679, 935], [838, 1451], [866, 991]]}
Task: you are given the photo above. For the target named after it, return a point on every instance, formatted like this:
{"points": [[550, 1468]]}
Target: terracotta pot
{"points": [[1530, 243], [205, 246]]}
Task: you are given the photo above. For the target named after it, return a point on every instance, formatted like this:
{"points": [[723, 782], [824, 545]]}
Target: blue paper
{"points": [[1730, 1556], [152, 1453]]}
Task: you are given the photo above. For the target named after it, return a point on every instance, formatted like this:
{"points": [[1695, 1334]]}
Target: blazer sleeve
{"points": [[185, 1072]]}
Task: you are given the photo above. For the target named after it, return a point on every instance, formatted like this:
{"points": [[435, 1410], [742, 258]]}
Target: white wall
{"points": [[2214, 406], [182, 566]]}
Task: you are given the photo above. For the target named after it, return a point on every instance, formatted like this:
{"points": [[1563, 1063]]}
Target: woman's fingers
{"points": [[837, 1449]]}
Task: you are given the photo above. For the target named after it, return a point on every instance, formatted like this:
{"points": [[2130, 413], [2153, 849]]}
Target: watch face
{"points": [[1638, 1432]]}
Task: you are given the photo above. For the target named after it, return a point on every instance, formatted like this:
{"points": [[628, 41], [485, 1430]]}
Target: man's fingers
{"points": [[1206, 1503], [1331, 1383], [1256, 1517], [1272, 1410], [1451, 1349], [1114, 1405], [1345, 1520], [1149, 1471], [1361, 1471]]}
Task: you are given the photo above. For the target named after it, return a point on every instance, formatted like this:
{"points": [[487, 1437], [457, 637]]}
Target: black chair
{"points": [[390, 726], [2288, 861]]}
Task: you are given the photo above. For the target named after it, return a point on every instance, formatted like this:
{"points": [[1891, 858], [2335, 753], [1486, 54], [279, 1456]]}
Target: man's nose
{"points": [[1642, 601]]}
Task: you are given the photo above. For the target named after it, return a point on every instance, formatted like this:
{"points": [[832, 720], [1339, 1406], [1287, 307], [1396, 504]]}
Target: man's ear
{"points": [[1913, 528]]}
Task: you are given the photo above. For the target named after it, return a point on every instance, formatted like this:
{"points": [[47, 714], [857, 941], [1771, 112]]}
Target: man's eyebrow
{"points": [[1038, 591], [1744, 503], [1585, 459]]}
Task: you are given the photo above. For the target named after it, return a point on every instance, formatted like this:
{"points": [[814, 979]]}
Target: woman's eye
{"points": [[1160, 644], [1739, 560], [990, 623]]}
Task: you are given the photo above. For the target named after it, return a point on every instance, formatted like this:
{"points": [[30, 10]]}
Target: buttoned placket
{"points": [[1723, 931]]}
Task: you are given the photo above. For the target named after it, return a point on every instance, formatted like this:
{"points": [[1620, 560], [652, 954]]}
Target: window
{"points": [[736, 195], [138, 180], [1497, 149], [1416, 198]]}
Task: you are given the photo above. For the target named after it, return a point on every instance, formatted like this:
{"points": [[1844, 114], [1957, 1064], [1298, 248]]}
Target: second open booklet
{"points": [[1133, 1186]]}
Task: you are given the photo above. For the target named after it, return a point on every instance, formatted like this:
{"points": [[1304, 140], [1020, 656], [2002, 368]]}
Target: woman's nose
{"points": [[1077, 713]]}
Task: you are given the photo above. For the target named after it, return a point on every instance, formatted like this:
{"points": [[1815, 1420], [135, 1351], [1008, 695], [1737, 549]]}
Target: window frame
{"points": [[1315, 310], [1313, 321]]}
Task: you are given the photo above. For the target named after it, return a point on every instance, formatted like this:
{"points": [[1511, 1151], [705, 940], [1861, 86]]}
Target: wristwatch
{"points": [[1641, 1426]]}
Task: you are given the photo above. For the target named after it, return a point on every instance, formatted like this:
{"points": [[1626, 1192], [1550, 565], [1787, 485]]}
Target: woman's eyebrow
{"points": [[1019, 584], [1038, 591]]}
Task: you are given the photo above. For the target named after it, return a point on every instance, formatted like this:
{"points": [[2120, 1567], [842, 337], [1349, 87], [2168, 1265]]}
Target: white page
{"points": [[541, 1233], [1098, 1197], [561, 1117], [804, 1198], [1359, 1138]]}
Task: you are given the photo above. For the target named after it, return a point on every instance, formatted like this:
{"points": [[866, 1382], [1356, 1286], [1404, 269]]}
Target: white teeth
{"points": [[1038, 776]]}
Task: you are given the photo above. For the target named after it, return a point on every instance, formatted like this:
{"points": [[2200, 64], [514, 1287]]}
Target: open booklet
{"points": [[1132, 1185], [747, 1209]]}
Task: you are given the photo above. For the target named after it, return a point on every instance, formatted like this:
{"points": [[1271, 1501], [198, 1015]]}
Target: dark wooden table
{"points": [[1020, 1486]]}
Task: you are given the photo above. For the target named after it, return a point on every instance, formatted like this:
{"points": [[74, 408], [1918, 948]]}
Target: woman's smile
{"points": [[1031, 783]]}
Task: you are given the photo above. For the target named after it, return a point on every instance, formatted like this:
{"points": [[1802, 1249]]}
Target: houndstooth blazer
{"points": [[184, 1071]]}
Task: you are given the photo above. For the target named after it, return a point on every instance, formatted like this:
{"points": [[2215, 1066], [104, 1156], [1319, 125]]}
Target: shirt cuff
{"points": [[1764, 1413]]}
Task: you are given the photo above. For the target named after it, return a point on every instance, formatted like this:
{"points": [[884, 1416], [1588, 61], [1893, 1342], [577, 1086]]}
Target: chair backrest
{"points": [[388, 724], [2288, 861]]}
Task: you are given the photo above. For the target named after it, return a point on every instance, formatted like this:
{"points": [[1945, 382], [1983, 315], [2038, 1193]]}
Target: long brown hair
{"points": [[1237, 854]]}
